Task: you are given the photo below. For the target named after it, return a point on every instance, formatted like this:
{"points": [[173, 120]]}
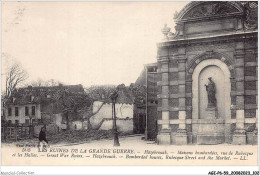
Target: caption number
{"points": [[26, 149], [74, 150]]}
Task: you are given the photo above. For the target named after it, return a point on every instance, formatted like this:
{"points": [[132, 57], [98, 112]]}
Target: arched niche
{"points": [[211, 68]]}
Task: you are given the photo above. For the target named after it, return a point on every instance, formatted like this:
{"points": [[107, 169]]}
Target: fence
{"points": [[16, 132]]}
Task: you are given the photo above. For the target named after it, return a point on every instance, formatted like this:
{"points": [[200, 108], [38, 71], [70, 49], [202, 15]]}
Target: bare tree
{"points": [[73, 103], [38, 83], [52, 83], [15, 76], [103, 93], [42, 83], [138, 93], [100, 92]]}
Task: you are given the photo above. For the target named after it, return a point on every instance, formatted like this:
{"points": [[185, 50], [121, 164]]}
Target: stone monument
{"points": [[211, 128], [212, 102], [211, 131]]}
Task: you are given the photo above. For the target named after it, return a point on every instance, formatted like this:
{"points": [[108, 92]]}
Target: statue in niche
{"points": [[211, 90]]}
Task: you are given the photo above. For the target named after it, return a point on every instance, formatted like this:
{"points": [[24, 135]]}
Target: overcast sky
{"points": [[87, 43]]}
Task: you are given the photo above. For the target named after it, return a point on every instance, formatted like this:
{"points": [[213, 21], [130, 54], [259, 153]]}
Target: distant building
{"points": [[32, 105], [124, 110], [146, 103], [22, 109]]}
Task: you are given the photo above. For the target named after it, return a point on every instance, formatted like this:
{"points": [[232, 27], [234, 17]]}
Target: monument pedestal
{"points": [[211, 130], [164, 138], [239, 137]]}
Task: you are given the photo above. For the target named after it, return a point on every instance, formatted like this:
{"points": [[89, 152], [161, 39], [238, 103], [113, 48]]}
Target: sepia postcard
{"points": [[130, 84]]}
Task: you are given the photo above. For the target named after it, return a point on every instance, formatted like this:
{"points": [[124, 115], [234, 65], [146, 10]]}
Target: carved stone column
{"points": [[164, 137], [181, 136], [239, 136]]}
